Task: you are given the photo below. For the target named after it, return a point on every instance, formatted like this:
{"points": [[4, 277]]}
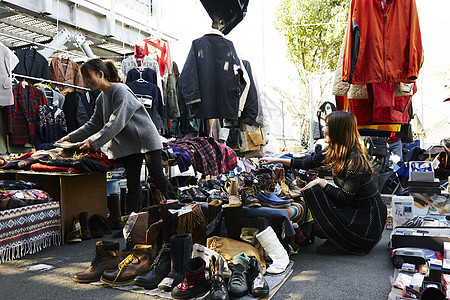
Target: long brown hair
{"points": [[108, 68], [344, 141]]}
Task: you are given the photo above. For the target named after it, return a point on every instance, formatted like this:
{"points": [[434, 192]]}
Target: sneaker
{"points": [[326, 247], [272, 200], [238, 286]]}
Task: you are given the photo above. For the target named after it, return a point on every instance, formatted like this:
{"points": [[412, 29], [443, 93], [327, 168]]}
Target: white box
{"points": [[402, 209]]}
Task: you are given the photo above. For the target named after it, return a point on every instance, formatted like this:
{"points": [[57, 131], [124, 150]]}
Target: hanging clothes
{"points": [[74, 111], [147, 74], [67, 71], [383, 42], [88, 100], [53, 97], [51, 126], [150, 95], [250, 110], [160, 49], [10, 61], [171, 95], [211, 78], [142, 62], [22, 115], [31, 63]]}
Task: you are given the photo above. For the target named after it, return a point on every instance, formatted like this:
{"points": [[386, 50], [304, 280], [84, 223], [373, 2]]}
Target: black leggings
{"points": [[133, 164]]}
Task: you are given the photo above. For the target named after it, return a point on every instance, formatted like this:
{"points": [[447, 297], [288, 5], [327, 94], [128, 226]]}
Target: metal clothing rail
{"points": [[43, 45], [51, 81]]}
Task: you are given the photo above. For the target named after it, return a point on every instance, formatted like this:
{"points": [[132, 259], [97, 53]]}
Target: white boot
{"points": [[269, 241]]}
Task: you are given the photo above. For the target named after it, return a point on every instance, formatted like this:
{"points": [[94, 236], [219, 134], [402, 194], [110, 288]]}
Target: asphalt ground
{"points": [[315, 276]]}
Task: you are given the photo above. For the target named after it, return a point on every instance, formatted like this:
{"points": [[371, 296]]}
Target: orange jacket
{"points": [[382, 44]]}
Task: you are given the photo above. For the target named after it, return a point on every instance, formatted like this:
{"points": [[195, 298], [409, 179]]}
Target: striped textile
{"points": [[29, 229]]}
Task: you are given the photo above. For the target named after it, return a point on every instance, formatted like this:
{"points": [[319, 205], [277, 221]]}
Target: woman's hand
{"points": [[268, 160], [318, 181], [64, 139], [85, 145]]}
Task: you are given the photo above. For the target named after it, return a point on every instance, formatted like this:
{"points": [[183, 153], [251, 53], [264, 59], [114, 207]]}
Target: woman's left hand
{"points": [[85, 145], [319, 181]]}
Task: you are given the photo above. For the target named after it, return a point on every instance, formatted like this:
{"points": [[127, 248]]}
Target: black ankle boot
{"points": [[159, 270], [194, 282]]}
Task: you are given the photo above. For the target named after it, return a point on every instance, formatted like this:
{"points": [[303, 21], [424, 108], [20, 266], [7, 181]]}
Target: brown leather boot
{"points": [[106, 258], [137, 234], [137, 263], [154, 237]]}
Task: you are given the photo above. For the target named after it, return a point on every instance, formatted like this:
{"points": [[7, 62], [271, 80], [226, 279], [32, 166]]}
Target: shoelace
{"points": [[190, 279], [155, 263], [125, 263], [238, 278]]}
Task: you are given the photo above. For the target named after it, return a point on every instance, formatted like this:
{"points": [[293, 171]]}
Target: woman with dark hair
{"points": [[121, 122], [349, 213]]}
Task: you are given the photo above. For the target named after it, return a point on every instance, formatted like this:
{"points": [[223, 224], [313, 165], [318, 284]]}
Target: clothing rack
{"points": [[51, 81], [43, 45]]}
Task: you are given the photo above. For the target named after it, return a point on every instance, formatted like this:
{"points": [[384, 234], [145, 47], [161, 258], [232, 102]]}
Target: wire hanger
{"points": [[142, 80]]}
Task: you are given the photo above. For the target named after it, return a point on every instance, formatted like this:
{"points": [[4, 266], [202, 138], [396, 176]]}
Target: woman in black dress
{"points": [[349, 213]]}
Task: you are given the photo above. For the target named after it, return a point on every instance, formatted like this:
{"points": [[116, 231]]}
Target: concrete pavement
{"points": [[315, 276]]}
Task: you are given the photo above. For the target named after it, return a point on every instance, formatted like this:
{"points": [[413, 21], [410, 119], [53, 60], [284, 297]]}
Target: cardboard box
{"points": [[421, 171]]}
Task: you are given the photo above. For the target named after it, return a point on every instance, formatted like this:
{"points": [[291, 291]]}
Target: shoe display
{"points": [[234, 192], [75, 235], [137, 263], [272, 200], [326, 247], [272, 245], [185, 196], [137, 234], [194, 282], [159, 269], [115, 215], [106, 258], [153, 237], [218, 289], [214, 218], [85, 231], [180, 254], [237, 286], [233, 219], [197, 195], [249, 196], [258, 286]]}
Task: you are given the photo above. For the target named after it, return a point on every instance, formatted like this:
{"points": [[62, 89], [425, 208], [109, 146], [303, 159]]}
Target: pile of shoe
{"points": [[83, 228]]}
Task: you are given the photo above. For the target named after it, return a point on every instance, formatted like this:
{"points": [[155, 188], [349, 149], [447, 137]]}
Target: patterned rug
{"points": [[29, 229]]}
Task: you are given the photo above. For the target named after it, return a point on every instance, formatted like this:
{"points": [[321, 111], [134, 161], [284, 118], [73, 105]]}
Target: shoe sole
{"points": [[85, 281], [74, 240], [147, 287], [111, 283], [280, 205]]}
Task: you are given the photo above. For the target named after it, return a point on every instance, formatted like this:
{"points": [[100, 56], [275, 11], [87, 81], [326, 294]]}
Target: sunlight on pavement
{"points": [[306, 276]]}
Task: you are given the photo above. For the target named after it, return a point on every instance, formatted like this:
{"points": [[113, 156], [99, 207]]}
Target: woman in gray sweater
{"points": [[121, 122]]}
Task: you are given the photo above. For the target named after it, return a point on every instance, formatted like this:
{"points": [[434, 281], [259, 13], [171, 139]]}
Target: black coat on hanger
{"points": [[31, 63]]}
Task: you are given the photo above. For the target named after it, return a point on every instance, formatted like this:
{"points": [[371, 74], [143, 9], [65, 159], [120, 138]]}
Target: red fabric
{"points": [[158, 47], [384, 94], [21, 117], [366, 113], [390, 48], [44, 168]]}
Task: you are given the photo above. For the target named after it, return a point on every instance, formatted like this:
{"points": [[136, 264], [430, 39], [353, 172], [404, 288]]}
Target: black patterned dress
{"points": [[351, 214]]}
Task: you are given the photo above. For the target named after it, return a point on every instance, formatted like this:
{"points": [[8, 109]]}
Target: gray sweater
{"points": [[121, 122]]}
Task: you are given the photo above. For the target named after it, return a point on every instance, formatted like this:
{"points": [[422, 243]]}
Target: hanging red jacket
{"points": [[383, 42]]}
